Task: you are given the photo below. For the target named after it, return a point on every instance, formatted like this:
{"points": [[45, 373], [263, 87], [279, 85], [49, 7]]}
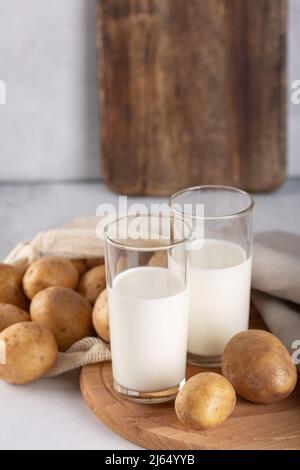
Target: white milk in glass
{"points": [[219, 279], [148, 310]]}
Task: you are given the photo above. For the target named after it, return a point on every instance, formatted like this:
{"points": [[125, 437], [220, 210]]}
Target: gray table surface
{"points": [[50, 414]]}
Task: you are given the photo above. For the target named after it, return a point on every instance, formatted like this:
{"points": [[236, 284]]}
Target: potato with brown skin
{"points": [[206, 400], [93, 262], [100, 316], [259, 367], [159, 259], [21, 266], [11, 290], [80, 265], [65, 313], [92, 284], [51, 271], [122, 264], [29, 352], [10, 315]]}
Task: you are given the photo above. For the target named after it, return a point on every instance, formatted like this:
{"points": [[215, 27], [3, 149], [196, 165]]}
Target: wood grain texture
{"points": [[192, 93], [251, 426]]}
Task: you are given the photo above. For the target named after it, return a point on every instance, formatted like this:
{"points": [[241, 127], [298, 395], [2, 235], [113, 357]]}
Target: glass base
{"points": [[204, 361], [149, 397]]}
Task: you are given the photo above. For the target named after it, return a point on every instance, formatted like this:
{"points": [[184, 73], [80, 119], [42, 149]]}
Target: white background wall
{"points": [[48, 59], [49, 126]]}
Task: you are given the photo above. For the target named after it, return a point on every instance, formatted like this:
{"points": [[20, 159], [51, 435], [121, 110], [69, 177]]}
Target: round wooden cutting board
{"points": [[251, 426]]}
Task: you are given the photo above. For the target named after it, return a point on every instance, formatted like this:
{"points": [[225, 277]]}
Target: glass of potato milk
{"points": [[148, 306], [218, 267]]}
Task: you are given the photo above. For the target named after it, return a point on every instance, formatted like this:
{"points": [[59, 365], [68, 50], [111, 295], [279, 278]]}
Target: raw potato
{"points": [[92, 284], [259, 367], [21, 266], [10, 315], [207, 399], [159, 259], [11, 290], [100, 316], [80, 265], [93, 262], [64, 312], [29, 351], [122, 264], [49, 272]]}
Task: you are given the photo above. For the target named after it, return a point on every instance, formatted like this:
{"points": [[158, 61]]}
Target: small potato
{"points": [[49, 272], [28, 353], [64, 312], [10, 315], [80, 265], [93, 262], [11, 290], [122, 264], [159, 259], [259, 367], [92, 284], [207, 399], [21, 266], [100, 316]]}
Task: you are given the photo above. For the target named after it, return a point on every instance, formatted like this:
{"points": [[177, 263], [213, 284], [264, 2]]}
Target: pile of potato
{"points": [[56, 303]]}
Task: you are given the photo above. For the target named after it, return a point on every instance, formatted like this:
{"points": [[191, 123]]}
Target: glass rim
{"points": [[128, 247], [216, 187]]}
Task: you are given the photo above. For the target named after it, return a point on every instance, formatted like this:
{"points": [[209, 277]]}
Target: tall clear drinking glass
{"points": [[148, 306], [218, 267]]}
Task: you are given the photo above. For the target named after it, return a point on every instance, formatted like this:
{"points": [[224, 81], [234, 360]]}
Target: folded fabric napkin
{"points": [[86, 351], [276, 286]]}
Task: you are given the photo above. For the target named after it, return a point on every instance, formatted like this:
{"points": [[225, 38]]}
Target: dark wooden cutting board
{"points": [[192, 92]]}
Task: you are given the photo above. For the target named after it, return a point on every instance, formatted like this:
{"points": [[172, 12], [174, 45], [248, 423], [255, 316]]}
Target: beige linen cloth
{"points": [[276, 286], [275, 282]]}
